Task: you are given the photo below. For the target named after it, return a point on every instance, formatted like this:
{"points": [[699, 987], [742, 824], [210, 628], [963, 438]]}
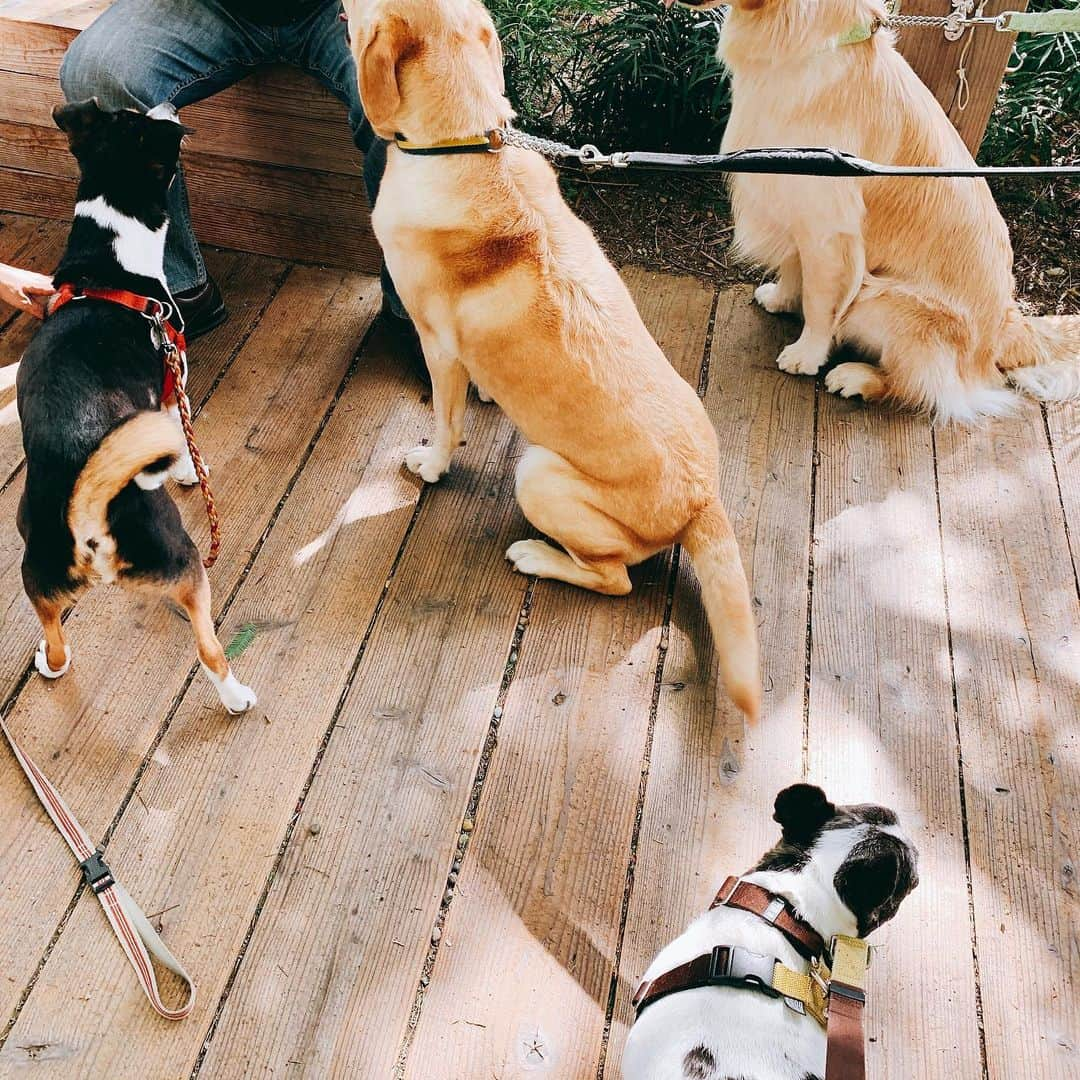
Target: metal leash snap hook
{"points": [[954, 26], [591, 157], [157, 330]]}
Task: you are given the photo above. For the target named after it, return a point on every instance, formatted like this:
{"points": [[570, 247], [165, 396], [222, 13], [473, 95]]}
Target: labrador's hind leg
{"points": [[563, 503]]}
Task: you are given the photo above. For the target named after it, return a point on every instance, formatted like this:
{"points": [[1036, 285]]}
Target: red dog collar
{"points": [[150, 308]]}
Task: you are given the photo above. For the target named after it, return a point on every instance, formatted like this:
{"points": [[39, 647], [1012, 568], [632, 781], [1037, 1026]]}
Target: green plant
{"points": [[652, 80], [1037, 116], [614, 72], [542, 45]]}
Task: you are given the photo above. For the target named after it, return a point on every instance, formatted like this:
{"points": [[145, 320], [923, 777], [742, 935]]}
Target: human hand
{"points": [[25, 290]]}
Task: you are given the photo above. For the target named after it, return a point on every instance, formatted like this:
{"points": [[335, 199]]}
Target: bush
{"points": [[620, 73], [1037, 116]]}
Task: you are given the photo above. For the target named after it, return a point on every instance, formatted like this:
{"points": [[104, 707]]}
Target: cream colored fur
{"points": [[915, 272], [509, 289]]}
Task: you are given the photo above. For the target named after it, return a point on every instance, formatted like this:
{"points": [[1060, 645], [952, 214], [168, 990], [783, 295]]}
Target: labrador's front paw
{"points": [[427, 463], [803, 358]]}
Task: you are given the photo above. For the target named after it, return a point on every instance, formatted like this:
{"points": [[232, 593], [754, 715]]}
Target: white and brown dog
{"points": [[916, 273], [840, 870]]}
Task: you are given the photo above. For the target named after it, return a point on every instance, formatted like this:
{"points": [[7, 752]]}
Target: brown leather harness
{"points": [[832, 992]]}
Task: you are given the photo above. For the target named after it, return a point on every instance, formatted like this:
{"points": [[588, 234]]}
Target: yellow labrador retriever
{"points": [[507, 287]]}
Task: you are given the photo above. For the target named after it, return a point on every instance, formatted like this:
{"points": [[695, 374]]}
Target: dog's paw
{"points": [[183, 472], [483, 395], [802, 358], [773, 299], [427, 463], [530, 557], [235, 696], [41, 662], [854, 380]]}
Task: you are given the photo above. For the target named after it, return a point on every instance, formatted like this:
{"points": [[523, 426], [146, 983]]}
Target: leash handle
{"points": [[133, 929], [175, 363]]}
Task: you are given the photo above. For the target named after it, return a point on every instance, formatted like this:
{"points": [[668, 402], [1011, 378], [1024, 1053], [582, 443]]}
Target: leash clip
{"points": [[96, 872], [591, 157]]}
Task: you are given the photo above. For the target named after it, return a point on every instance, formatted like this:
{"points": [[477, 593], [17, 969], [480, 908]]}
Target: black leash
{"points": [[791, 161], [820, 161]]}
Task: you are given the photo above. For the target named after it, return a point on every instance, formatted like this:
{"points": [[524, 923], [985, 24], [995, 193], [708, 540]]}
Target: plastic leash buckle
{"points": [[749, 968], [96, 872]]}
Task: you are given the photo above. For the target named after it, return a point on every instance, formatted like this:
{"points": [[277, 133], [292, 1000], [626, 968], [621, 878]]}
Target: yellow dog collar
{"points": [[489, 142]]}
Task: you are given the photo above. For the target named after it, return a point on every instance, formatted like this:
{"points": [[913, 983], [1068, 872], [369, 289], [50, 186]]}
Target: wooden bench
{"points": [[271, 167]]}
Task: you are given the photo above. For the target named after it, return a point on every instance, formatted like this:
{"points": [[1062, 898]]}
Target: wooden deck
{"points": [[470, 807]]}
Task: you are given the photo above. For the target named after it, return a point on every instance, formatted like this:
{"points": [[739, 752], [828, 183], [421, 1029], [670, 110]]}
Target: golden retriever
{"points": [[507, 287], [915, 272]]}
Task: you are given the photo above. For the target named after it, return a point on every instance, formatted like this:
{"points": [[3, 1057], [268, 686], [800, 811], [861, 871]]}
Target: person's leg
{"points": [[140, 53], [319, 45]]}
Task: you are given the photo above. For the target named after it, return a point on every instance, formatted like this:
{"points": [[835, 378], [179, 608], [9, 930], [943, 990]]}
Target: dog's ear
{"points": [[388, 44], [80, 121], [875, 877], [801, 810], [160, 141], [494, 47]]}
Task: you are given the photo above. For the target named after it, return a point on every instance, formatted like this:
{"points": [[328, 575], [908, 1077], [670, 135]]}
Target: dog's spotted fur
{"points": [[845, 870]]}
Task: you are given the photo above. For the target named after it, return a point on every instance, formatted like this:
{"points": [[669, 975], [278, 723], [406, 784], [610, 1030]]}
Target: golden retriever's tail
{"points": [[726, 595], [142, 448], [1041, 356]]}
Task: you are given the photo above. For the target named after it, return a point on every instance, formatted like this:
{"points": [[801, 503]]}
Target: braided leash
{"points": [[175, 363]]}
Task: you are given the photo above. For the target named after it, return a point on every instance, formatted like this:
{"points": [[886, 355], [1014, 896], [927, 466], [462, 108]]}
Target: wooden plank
{"points": [[706, 771], [32, 48], [881, 720], [67, 14], [936, 61], [332, 230], [227, 125], [93, 728], [1063, 426], [1016, 647], [523, 974], [334, 993], [204, 832]]}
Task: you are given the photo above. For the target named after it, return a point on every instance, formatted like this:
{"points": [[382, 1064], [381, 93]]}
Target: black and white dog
{"points": [[99, 444], [843, 870]]}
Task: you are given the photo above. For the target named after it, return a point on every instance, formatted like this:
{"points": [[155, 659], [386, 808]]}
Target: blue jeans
{"points": [[144, 52]]}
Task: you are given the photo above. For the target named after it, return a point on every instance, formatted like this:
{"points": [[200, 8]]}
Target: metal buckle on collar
{"points": [[96, 872], [731, 893], [773, 911], [741, 965]]}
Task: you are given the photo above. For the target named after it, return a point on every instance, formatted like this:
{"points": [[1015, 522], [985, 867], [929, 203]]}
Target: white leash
{"points": [[136, 935]]}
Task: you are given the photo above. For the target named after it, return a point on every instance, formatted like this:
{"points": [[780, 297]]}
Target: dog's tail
{"points": [[1041, 356], [726, 596], [142, 448]]}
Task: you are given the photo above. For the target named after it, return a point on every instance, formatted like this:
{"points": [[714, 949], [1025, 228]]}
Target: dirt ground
{"points": [[683, 224]]}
